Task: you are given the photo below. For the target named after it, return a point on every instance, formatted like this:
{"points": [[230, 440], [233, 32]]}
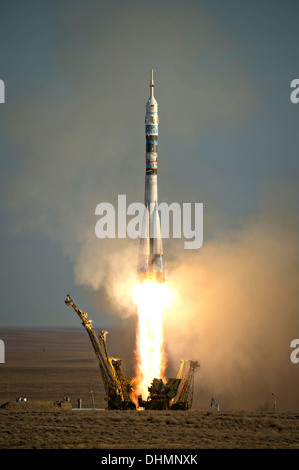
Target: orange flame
{"points": [[151, 298]]}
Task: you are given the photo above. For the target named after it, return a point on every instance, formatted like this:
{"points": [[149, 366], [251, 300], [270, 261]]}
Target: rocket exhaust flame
{"points": [[151, 298]]}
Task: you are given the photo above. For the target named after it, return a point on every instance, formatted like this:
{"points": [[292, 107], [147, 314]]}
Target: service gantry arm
{"points": [[180, 372], [115, 364], [110, 384], [126, 386], [185, 392]]}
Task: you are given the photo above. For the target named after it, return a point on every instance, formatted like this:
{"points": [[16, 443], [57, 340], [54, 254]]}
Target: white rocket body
{"points": [[150, 262]]}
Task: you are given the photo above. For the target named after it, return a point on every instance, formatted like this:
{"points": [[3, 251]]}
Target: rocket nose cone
{"points": [[152, 101]]}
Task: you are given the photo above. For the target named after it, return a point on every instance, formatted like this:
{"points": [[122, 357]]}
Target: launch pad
{"points": [[176, 394]]}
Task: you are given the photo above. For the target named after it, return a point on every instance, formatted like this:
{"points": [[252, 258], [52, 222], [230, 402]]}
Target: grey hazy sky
{"points": [[72, 134]]}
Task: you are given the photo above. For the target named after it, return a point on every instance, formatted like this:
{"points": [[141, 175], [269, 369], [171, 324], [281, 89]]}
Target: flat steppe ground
{"points": [[46, 365]]}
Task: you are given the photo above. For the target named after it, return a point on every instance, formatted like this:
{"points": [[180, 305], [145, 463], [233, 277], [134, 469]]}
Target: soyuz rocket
{"points": [[150, 260]]}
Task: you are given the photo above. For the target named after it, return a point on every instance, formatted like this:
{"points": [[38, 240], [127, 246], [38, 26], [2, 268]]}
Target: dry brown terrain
{"points": [[146, 429], [44, 366]]}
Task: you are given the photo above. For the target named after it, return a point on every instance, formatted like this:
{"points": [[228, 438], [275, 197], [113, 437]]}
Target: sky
{"points": [[76, 80]]}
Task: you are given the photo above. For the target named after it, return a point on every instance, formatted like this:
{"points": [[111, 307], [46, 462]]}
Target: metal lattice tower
{"points": [[185, 393], [112, 387]]}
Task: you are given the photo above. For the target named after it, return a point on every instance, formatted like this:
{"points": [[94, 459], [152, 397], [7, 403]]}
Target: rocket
{"points": [[150, 260]]}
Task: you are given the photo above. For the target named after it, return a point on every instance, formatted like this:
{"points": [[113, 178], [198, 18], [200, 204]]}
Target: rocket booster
{"points": [[150, 261]]}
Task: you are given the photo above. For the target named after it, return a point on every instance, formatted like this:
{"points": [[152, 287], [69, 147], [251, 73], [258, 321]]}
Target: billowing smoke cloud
{"points": [[236, 311], [82, 138]]}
